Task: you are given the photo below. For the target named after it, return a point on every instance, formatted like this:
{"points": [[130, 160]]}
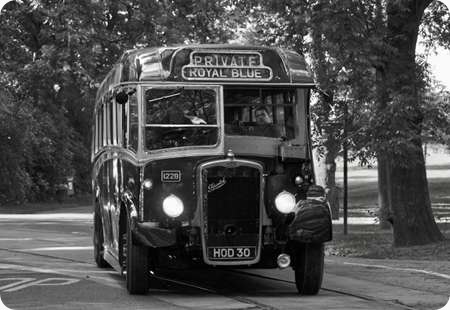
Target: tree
{"points": [[398, 126], [54, 55]]}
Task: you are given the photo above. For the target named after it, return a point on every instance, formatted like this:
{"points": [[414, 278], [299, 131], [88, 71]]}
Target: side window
{"points": [[100, 127], [114, 122], [302, 105], [134, 122], [125, 129], [111, 122], [104, 127], [97, 131], [95, 134], [108, 122], [119, 118]]}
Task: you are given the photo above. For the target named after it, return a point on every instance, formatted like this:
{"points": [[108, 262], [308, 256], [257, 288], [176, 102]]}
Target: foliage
{"points": [[54, 55], [434, 28], [436, 107], [14, 137]]}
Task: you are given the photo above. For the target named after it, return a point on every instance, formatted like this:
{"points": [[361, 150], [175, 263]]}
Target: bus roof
{"points": [[215, 63]]}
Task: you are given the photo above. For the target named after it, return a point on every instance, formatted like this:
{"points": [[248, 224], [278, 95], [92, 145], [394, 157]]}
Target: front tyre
{"points": [[308, 267], [98, 241], [137, 268]]}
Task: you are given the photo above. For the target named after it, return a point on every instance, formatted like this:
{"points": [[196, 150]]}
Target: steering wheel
{"points": [[177, 134]]}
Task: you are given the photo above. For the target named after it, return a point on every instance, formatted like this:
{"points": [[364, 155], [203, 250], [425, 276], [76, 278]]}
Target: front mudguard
{"points": [[146, 233], [312, 222], [149, 235]]}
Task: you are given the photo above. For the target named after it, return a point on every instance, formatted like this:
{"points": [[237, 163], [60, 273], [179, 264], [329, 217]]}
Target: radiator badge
{"points": [[215, 186]]}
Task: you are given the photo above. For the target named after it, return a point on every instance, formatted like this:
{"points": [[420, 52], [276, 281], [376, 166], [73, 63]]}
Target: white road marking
{"points": [[44, 282], [15, 281], [433, 273], [113, 272], [15, 239], [59, 248], [369, 220], [74, 273], [357, 220], [48, 216]]}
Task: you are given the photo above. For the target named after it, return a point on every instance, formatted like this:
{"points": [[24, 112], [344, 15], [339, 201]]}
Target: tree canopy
{"points": [[54, 55]]}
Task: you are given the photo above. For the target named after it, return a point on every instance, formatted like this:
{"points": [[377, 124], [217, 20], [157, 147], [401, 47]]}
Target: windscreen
{"points": [[260, 112], [179, 117]]}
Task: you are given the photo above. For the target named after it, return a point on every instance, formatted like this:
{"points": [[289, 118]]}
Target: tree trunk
{"points": [[326, 177], [385, 214], [331, 190], [414, 223]]}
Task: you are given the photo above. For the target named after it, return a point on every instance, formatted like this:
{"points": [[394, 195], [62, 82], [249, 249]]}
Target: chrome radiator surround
{"points": [[201, 217]]}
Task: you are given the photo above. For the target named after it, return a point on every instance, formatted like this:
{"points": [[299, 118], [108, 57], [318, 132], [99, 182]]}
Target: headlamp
{"points": [[173, 206], [285, 202]]}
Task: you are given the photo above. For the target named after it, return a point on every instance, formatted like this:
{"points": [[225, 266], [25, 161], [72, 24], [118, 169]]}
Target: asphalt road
{"points": [[46, 263]]}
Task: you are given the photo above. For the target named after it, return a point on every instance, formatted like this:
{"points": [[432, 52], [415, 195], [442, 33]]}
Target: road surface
{"points": [[46, 263]]}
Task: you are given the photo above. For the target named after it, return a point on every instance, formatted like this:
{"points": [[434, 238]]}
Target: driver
{"points": [[264, 126]]}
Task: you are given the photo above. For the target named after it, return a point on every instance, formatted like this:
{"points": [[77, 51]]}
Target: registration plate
{"points": [[231, 252]]}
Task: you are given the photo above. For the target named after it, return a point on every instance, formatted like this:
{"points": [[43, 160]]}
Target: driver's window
{"points": [[260, 112]]}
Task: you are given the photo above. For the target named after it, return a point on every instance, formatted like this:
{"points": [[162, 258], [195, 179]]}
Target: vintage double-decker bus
{"points": [[202, 157]]}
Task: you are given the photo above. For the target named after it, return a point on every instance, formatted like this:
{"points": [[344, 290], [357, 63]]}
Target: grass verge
{"points": [[369, 241]]}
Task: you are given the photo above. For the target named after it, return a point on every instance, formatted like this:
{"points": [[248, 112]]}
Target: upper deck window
{"points": [[260, 112], [179, 117]]}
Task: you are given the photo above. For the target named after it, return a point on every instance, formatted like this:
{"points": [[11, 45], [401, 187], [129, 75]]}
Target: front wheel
{"points": [[137, 268], [308, 267]]}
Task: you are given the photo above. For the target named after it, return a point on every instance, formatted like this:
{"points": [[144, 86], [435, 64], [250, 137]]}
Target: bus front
{"points": [[227, 174]]}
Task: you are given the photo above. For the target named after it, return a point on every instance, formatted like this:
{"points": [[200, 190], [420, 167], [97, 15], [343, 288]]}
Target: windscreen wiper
{"points": [[178, 93]]}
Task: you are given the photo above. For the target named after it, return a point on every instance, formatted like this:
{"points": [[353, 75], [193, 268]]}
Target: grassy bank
{"points": [[369, 241]]}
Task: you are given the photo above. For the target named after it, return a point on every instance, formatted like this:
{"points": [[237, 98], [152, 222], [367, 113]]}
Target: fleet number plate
{"points": [[171, 176], [232, 252]]}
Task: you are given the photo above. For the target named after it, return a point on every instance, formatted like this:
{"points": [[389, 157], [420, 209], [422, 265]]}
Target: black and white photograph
{"points": [[225, 154]]}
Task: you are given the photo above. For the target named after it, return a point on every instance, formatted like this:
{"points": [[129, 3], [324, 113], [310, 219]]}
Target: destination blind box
{"points": [[234, 65]]}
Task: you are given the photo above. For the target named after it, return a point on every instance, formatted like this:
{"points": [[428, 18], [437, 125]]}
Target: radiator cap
{"points": [[230, 154]]}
